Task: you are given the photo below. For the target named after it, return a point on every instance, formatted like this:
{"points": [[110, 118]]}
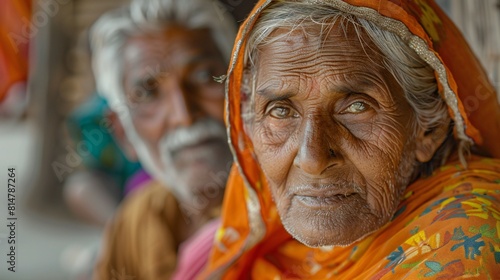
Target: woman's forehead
{"points": [[314, 51], [341, 61], [341, 30], [341, 42]]}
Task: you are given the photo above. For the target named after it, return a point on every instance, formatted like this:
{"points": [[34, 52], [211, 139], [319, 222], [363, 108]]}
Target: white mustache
{"points": [[187, 136]]}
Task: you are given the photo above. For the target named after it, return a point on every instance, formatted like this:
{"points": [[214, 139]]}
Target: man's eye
{"points": [[202, 76], [356, 107], [150, 84], [282, 113], [142, 95]]}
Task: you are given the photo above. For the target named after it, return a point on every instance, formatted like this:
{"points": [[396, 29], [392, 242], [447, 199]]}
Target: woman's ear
{"points": [[118, 131], [429, 140]]}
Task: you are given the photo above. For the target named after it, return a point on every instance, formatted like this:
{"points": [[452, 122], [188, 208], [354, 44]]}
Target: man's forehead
{"points": [[168, 32], [169, 44]]}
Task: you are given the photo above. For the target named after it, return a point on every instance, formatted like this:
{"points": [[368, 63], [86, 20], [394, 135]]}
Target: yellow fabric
{"points": [[142, 240], [448, 225]]}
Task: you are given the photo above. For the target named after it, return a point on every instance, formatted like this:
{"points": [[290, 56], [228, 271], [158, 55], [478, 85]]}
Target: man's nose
{"points": [[181, 109], [317, 150]]}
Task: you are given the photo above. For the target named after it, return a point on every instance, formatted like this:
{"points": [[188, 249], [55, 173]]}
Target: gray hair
{"points": [[412, 73], [111, 31]]}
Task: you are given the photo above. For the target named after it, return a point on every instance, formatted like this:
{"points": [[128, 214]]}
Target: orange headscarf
{"points": [[425, 238], [15, 33]]}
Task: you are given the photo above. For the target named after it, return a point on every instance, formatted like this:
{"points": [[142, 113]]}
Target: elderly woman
{"points": [[363, 133]]}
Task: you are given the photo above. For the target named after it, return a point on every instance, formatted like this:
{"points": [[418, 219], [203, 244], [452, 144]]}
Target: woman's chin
{"points": [[326, 227]]}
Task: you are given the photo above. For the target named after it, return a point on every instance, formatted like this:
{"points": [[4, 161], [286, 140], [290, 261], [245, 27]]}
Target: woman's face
{"points": [[332, 134]]}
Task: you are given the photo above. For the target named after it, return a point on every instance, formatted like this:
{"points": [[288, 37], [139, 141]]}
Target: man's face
{"points": [[177, 108], [332, 134]]}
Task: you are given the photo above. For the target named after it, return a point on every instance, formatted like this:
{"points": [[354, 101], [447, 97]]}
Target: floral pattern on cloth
{"points": [[471, 229]]}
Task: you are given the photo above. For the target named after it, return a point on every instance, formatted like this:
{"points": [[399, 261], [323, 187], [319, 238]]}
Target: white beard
{"points": [[162, 166]]}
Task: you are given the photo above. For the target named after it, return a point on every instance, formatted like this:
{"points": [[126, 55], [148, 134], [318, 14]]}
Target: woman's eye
{"points": [[356, 107], [282, 112]]}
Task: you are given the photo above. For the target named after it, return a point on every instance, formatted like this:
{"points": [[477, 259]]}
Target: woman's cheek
{"points": [[273, 133], [274, 145], [361, 129], [381, 198]]}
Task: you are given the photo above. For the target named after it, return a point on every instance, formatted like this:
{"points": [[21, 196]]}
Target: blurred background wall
{"points": [[479, 21]]}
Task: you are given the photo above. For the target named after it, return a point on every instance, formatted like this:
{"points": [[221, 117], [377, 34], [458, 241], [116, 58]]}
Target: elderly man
{"points": [[155, 63], [350, 121]]}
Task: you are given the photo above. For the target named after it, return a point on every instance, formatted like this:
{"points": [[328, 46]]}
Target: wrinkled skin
{"points": [[333, 134], [169, 85]]}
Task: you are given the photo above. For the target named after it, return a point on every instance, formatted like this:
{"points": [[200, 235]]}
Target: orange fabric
{"points": [[447, 226], [14, 42]]}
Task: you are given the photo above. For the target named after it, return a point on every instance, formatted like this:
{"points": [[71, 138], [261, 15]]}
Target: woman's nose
{"points": [[317, 151]]}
